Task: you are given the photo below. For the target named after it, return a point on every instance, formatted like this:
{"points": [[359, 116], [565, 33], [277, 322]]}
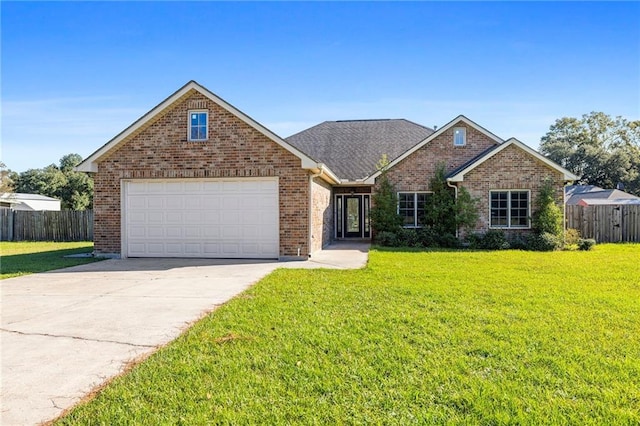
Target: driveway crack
{"points": [[78, 338]]}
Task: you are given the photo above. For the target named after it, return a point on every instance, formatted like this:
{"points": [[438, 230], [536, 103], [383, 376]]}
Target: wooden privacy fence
{"points": [[65, 225], [606, 223]]}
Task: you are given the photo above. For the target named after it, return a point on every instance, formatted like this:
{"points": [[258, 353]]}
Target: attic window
{"points": [[198, 126], [459, 136]]}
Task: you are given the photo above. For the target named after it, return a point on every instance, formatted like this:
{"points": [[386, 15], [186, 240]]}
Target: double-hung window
{"points": [[510, 209], [411, 208], [198, 127]]}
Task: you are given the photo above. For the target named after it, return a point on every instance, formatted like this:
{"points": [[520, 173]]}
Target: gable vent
{"points": [[197, 104]]}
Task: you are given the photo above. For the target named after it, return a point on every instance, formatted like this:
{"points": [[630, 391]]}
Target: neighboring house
{"points": [[28, 202], [590, 195], [196, 177]]}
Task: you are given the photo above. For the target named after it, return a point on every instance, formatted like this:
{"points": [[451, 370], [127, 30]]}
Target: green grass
{"points": [[452, 337], [28, 257]]}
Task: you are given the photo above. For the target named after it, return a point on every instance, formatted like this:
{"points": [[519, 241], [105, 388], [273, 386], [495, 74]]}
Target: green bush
{"points": [[544, 242], [384, 212], [571, 236], [493, 239], [408, 237], [586, 244], [548, 216], [519, 242], [428, 237], [386, 239]]}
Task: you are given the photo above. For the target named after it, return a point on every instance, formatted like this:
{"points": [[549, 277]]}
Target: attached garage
{"points": [[205, 218]]}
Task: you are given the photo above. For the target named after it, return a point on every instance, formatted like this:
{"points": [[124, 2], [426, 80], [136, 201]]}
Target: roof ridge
{"points": [[368, 119]]}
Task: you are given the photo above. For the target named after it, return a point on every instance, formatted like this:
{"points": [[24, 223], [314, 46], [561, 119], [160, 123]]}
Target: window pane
{"points": [[367, 221], [198, 126], [519, 209], [406, 208], [339, 216], [420, 203], [459, 136], [499, 209]]}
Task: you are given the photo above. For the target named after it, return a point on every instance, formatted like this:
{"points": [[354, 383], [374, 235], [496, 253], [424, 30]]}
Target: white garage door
{"points": [[216, 218]]}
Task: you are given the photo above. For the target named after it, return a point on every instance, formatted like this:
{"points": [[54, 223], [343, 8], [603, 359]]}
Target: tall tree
{"points": [[601, 150], [74, 189], [6, 179]]}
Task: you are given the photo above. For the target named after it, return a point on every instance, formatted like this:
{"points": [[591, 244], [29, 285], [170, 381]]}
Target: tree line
{"points": [[73, 189], [601, 150]]}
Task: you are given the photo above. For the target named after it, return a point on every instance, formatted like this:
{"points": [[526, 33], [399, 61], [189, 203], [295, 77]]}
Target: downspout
{"points": [[455, 191], [310, 210]]}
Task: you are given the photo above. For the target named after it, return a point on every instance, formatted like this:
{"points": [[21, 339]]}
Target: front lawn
{"points": [[28, 257], [464, 337]]}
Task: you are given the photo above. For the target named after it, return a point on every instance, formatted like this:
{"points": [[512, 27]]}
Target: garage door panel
{"points": [[174, 249], [230, 217], [193, 202], [202, 218], [175, 232], [153, 202], [211, 232]]}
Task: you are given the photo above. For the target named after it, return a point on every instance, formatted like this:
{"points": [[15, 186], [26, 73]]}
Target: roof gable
{"points": [[90, 163], [456, 121], [458, 174]]}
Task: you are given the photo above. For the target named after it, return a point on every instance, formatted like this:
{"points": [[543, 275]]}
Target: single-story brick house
{"points": [[196, 177]]}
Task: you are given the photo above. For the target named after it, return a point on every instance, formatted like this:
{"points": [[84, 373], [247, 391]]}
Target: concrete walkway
{"points": [[66, 332]]}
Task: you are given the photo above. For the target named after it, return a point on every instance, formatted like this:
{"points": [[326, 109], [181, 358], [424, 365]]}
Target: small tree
{"points": [[444, 213], [466, 210], [384, 212], [547, 217]]}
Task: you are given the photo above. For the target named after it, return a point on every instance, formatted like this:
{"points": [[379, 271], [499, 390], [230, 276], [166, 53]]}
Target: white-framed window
{"points": [[411, 208], [459, 136], [510, 209], [198, 125]]}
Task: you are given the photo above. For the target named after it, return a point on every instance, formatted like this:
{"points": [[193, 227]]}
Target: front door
{"points": [[352, 216]]}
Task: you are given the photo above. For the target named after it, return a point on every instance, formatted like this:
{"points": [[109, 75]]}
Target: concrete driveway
{"points": [[66, 332]]}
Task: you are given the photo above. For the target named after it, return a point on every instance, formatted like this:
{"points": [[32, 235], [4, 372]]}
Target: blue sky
{"points": [[75, 74]]}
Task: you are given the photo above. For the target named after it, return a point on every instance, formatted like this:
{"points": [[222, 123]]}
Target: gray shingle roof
{"points": [[352, 148], [575, 193]]}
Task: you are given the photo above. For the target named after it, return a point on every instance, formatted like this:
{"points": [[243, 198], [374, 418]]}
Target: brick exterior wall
{"points": [[234, 149], [510, 169], [321, 214], [414, 172]]}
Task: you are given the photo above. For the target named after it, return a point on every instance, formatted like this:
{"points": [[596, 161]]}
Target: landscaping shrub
{"points": [[586, 244], [493, 239], [408, 237], [386, 239], [519, 242], [428, 237], [544, 242], [384, 212], [548, 217], [571, 236]]}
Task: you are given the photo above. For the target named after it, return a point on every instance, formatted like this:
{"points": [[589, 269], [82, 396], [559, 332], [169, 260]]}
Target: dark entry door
{"points": [[353, 216]]}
